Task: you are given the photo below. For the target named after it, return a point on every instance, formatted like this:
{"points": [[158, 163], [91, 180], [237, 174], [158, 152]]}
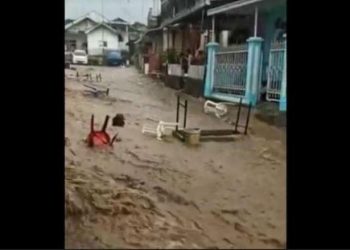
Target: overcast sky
{"points": [[129, 10]]}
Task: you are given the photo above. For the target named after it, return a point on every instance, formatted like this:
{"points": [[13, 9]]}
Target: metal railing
{"points": [[275, 71], [230, 70]]}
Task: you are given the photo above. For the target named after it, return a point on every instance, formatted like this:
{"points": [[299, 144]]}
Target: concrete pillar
{"points": [[209, 78], [283, 99], [165, 39], [171, 39], [252, 94], [213, 29]]}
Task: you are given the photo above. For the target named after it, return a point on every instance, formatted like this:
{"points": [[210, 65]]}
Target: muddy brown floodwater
{"points": [[146, 193]]}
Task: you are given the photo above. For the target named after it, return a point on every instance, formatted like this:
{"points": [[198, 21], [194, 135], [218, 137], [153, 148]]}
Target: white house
{"points": [[95, 34]]}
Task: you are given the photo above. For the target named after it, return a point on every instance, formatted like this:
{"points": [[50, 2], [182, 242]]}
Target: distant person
{"points": [[184, 62], [280, 30]]}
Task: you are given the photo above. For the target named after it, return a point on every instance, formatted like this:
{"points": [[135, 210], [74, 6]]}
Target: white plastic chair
{"points": [[159, 131], [219, 109]]}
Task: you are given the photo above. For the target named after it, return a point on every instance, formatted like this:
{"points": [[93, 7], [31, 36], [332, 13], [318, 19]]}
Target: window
{"points": [[103, 44], [120, 38], [71, 45]]}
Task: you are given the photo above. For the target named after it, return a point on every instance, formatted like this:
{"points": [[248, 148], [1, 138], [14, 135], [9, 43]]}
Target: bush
{"points": [[172, 57], [95, 61]]}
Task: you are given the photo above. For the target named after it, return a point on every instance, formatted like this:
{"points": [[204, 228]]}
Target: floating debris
{"points": [[118, 120]]}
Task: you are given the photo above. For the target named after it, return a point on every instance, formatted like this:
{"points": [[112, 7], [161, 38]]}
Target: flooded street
{"points": [[145, 193]]}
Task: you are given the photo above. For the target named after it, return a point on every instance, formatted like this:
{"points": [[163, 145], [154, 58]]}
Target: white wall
{"points": [[122, 45], [178, 40], [95, 37]]}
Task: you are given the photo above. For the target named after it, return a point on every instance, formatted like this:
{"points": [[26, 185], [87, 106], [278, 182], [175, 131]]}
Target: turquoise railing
{"points": [[275, 71], [234, 72], [283, 99], [230, 71]]}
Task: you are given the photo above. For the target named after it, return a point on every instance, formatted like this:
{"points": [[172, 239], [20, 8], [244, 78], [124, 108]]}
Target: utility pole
{"points": [[103, 40]]}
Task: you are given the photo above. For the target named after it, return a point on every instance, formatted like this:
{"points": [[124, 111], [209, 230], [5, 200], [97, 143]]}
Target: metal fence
{"points": [[275, 71], [230, 70]]}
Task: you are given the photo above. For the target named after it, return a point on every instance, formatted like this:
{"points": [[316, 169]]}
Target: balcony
{"points": [[152, 19], [175, 10]]}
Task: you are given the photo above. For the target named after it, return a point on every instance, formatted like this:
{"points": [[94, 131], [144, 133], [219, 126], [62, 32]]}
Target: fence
{"points": [[230, 70], [196, 72], [174, 70], [275, 71]]}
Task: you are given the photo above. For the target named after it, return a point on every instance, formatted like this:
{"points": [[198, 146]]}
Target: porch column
{"points": [[256, 14], [252, 93], [165, 39], [283, 99], [209, 77], [170, 39], [213, 29]]}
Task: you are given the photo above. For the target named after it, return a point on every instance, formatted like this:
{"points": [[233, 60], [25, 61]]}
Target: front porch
{"points": [[75, 40], [255, 70]]}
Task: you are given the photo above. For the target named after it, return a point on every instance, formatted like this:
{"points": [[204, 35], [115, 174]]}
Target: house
{"points": [[180, 27], [122, 27], [244, 42], [67, 21], [154, 14], [255, 62], [136, 31], [96, 34]]}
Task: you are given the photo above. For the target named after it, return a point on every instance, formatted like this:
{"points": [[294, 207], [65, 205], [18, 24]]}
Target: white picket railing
{"points": [[275, 71], [196, 72], [230, 70], [174, 70]]}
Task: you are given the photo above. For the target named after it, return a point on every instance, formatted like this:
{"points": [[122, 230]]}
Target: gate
{"points": [[230, 70], [275, 71]]}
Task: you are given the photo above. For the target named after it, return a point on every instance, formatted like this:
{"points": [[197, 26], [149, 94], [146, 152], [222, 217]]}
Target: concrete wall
{"points": [[157, 42], [154, 63], [95, 37], [191, 39], [178, 40]]}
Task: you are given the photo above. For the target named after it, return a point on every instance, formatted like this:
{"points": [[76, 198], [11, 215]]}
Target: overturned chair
{"points": [[100, 138], [96, 91]]}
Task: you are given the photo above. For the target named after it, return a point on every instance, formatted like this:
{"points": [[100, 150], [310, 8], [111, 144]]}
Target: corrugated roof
{"points": [[104, 25], [93, 16]]}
